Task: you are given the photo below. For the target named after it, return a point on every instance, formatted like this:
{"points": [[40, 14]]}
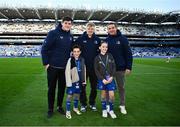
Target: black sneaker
{"points": [[49, 114], [61, 110], [83, 108], [93, 107]]}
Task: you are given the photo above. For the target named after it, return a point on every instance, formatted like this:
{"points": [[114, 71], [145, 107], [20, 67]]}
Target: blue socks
{"points": [[111, 105], [68, 105], [103, 105]]}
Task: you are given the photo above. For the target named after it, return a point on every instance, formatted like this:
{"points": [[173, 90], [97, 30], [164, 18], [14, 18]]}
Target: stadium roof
{"points": [[87, 15]]}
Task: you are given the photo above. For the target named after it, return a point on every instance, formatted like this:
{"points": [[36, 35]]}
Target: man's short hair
{"points": [[67, 19], [90, 24], [112, 23]]}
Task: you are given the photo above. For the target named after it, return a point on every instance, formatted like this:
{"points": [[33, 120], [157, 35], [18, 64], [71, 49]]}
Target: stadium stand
{"points": [[34, 51], [22, 30], [144, 30], [20, 51]]}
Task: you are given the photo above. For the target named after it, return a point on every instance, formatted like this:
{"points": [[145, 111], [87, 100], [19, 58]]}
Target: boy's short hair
{"points": [[67, 19], [90, 24], [76, 46]]}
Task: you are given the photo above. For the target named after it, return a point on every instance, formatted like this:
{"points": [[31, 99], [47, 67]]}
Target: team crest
{"points": [[118, 42], [61, 37], [84, 41], [95, 42], [70, 38]]}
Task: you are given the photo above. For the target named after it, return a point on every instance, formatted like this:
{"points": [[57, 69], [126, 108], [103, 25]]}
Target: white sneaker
{"points": [[112, 114], [123, 110], [77, 111], [104, 113], [68, 115], [108, 108]]}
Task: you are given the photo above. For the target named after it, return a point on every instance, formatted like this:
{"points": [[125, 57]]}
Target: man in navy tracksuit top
{"points": [[119, 47], [55, 53], [90, 44]]}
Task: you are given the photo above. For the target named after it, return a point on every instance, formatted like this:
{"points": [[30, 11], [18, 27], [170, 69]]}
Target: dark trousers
{"points": [[93, 93], [120, 80], [55, 75]]}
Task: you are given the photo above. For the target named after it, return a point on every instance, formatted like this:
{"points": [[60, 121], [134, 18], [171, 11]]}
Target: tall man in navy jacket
{"points": [[55, 53], [89, 43], [119, 47]]}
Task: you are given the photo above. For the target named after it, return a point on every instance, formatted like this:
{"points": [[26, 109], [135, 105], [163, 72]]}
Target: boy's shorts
{"points": [[109, 87], [74, 89]]}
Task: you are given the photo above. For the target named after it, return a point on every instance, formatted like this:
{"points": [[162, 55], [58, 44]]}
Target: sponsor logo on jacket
{"points": [[118, 42], [84, 41], [61, 37], [70, 38], [95, 42]]}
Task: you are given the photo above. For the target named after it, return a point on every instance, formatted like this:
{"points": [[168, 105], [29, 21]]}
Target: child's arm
{"points": [[98, 74], [68, 73], [96, 69], [113, 71]]}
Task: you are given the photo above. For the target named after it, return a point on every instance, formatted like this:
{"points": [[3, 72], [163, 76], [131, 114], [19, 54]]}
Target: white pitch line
{"points": [[177, 73]]}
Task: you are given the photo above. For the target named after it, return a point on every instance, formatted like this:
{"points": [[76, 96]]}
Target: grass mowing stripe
{"points": [[25, 108], [157, 66]]}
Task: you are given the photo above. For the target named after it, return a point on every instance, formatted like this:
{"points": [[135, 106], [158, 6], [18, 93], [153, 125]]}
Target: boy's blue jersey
{"points": [[109, 87], [75, 89]]}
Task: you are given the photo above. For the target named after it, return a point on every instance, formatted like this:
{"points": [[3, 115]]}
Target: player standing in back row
{"points": [[119, 47], [89, 43]]}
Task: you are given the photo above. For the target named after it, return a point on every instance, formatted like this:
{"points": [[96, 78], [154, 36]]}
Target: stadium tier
{"points": [[101, 15], [22, 30], [77, 28], [34, 51]]}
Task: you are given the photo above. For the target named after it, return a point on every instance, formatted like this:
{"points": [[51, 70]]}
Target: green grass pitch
{"points": [[152, 95]]}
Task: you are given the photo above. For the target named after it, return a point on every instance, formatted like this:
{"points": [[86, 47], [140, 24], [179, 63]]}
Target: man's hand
{"points": [[127, 72], [46, 67]]}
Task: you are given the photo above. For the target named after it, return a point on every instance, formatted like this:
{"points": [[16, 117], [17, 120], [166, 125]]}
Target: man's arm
{"points": [[48, 43], [128, 54]]}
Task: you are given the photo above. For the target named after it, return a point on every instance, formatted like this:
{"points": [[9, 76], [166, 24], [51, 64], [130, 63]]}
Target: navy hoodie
{"points": [[56, 47], [119, 47], [90, 48]]}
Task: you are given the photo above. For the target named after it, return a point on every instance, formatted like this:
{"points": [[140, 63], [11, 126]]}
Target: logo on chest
{"points": [[84, 41], [118, 42], [95, 42], [61, 37], [70, 38]]}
